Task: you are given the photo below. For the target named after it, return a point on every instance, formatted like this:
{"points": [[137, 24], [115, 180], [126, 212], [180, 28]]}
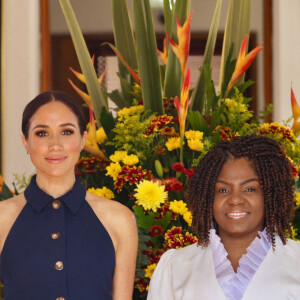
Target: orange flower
{"points": [[296, 112], [182, 105], [182, 49], [164, 55], [81, 77], [243, 62], [91, 145]]}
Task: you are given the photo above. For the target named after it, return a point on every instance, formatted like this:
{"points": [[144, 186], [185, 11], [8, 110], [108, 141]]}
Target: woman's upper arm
{"points": [[126, 253]]}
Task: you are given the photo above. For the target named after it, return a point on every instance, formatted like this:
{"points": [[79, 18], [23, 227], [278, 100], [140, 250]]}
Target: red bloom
{"points": [[176, 186], [167, 183], [178, 167], [156, 230], [189, 172]]}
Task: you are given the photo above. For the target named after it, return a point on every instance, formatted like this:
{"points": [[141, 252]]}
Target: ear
{"points": [[83, 140], [24, 141]]}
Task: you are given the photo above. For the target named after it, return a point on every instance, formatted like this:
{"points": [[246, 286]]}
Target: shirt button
{"points": [[56, 204], [55, 235], [60, 298], [59, 265]]}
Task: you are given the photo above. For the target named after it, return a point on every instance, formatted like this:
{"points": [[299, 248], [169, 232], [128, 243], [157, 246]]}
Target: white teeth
{"points": [[237, 214]]}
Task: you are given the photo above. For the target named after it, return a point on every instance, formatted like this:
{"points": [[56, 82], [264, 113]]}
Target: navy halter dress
{"points": [[57, 249]]}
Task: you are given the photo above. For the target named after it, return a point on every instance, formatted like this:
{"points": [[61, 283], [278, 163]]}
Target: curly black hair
{"points": [[275, 176]]}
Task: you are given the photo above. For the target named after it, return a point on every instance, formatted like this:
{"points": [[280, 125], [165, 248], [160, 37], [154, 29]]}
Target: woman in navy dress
{"points": [[58, 241]]}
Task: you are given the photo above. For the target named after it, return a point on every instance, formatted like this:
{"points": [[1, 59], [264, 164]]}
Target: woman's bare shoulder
{"points": [[12, 206], [118, 219], [109, 208]]}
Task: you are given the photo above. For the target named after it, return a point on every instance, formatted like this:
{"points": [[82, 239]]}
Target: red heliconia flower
{"points": [[178, 167], [296, 112], [182, 49], [243, 62]]}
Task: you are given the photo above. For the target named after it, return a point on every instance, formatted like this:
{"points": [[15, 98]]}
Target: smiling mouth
{"points": [[55, 160], [237, 215]]}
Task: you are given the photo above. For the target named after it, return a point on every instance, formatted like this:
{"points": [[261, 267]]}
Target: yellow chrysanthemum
{"points": [[113, 170], [178, 207], [297, 198], [150, 195], [196, 145], [130, 160], [193, 135], [101, 135], [149, 270], [173, 143], [118, 156], [103, 192], [188, 217], [128, 111]]}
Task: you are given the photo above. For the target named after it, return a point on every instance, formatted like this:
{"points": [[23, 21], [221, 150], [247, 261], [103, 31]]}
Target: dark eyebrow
{"points": [[242, 183], [46, 126]]}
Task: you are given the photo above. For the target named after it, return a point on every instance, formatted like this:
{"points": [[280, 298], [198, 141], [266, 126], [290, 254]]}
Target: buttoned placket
{"points": [[57, 236]]}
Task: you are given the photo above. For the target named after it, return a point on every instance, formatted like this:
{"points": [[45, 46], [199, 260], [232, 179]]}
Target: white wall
{"points": [[20, 79], [286, 58]]}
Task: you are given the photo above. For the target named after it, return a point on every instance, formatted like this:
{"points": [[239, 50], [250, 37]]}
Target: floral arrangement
{"points": [[145, 156]]}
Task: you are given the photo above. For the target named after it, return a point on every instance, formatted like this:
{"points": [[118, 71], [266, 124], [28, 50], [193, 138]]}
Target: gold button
{"points": [[59, 265], [56, 204], [60, 298], [55, 235]]}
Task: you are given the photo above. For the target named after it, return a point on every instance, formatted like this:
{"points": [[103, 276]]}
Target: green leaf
{"points": [[6, 193], [85, 61], [108, 122], [196, 121], [125, 43], [216, 118], [117, 98], [146, 221], [237, 26], [197, 99], [168, 16], [147, 57]]}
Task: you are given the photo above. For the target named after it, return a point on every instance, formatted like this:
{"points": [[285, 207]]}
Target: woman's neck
{"points": [[236, 247], [55, 187]]}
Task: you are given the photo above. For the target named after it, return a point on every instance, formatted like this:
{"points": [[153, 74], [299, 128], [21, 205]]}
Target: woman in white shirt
{"points": [[241, 197]]}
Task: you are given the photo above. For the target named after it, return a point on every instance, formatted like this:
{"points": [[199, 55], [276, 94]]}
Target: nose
{"points": [[55, 143], [235, 198]]}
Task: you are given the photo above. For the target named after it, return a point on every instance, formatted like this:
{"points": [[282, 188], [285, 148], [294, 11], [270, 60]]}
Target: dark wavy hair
{"points": [[275, 176], [47, 97]]}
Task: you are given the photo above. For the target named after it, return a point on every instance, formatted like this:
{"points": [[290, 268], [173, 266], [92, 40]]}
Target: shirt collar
{"points": [[38, 199]]}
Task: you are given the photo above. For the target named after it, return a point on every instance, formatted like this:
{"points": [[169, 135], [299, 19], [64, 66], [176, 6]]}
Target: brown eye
{"points": [[41, 133], [67, 132]]}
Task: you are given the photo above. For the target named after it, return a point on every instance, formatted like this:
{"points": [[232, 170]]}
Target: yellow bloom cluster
{"points": [[149, 270], [113, 170], [122, 156], [128, 111], [101, 135], [179, 207], [150, 195], [188, 217], [103, 192], [297, 198], [277, 131], [194, 139], [233, 105], [173, 143]]}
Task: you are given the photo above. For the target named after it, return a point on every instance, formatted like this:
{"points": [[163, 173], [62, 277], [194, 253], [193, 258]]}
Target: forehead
{"points": [[54, 111], [238, 168]]}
